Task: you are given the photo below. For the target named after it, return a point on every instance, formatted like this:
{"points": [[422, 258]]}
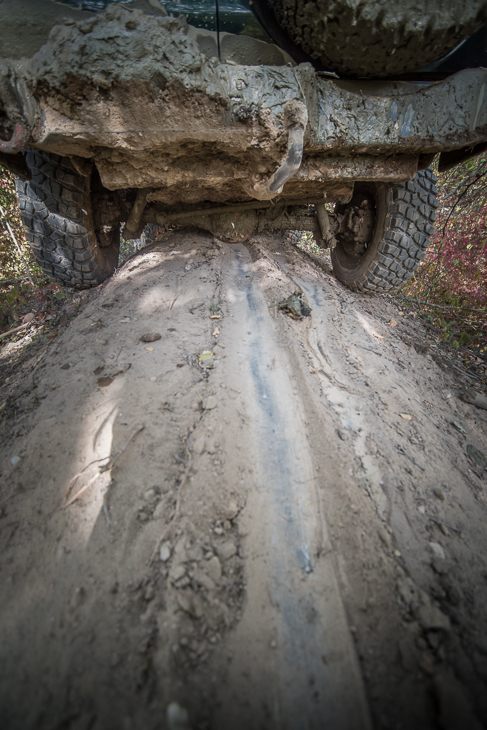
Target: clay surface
{"points": [[272, 522]]}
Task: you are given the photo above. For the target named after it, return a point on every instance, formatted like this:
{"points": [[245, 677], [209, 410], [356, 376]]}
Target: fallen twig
{"points": [[16, 329]]}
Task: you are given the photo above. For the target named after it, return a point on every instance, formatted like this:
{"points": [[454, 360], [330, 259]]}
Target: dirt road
{"points": [[275, 523]]}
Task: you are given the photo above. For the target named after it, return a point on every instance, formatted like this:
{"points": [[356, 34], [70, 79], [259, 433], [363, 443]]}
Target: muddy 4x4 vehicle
{"points": [[238, 116]]}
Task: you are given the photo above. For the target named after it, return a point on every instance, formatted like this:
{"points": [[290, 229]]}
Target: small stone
{"points": [[190, 603], [273, 644], [177, 572], [439, 493], [150, 337], [104, 382], [204, 580], [165, 552], [101, 342], [444, 529], [214, 569], [151, 495], [66, 366], [231, 510], [385, 537], [177, 717], [226, 550], [437, 550], [218, 531], [153, 379], [210, 403], [15, 460], [422, 509]]}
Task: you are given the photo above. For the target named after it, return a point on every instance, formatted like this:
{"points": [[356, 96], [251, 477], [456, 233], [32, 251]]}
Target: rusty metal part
{"points": [[19, 137], [135, 225]]}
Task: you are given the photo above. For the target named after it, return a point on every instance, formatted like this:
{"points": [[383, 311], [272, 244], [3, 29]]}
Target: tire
{"points": [[56, 211], [374, 38], [402, 221]]}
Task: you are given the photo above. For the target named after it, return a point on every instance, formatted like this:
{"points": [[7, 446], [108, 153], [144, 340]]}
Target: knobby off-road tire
{"points": [[56, 211], [404, 220], [376, 38]]}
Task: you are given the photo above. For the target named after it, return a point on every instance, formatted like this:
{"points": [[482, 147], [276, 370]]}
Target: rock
{"points": [[177, 572], [214, 569], [177, 717], [439, 493], [15, 460], [150, 337], [190, 603], [151, 495], [230, 511], [431, 618], [210, 403], [295, 307], [226, 550], [385, 537], [165, 551], [203, 580], [437, 550]]}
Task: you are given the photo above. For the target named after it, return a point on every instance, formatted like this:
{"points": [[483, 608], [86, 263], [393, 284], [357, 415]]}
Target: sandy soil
{"points": [[272, 522]]}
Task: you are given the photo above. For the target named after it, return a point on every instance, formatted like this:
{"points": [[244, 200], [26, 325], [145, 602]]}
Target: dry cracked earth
{"points": [[217, 515]]}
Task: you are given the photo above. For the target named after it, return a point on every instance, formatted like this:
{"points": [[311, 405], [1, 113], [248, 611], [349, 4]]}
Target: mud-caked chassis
{"points": [[124, 117]]}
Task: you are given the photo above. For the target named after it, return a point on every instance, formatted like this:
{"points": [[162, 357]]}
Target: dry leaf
{"points": [[103, 382], [149, 349], [392, 323], [28, 318], [216, 316], [216, 332], [379, 337], [405, 416]]}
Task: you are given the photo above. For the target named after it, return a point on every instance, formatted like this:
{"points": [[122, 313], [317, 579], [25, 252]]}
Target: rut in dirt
{"points": [[264, 519]]}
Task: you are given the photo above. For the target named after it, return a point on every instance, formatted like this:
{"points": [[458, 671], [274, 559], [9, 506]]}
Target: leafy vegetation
{"points": [[450, 286]]}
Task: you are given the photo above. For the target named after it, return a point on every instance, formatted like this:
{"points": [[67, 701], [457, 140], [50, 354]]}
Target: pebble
{"points": [[101, 342], [204, 580], [437, 550], [210, 403], [214, 568], [150, 337], [151, 495], [226, 550], [165, 551], [385, 537], [177, 717], [177, 572], [153, 379], [439, 493], [15, 460], [231, 510]]}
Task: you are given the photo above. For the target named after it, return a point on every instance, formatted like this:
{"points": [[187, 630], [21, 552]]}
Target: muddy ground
{"points": [[272, 522]]}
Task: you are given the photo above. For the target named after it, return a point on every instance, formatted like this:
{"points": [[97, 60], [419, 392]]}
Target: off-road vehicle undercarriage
{"points": [[132, 116]]}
